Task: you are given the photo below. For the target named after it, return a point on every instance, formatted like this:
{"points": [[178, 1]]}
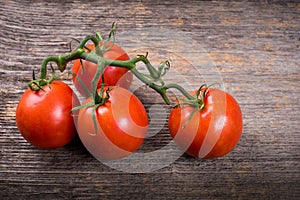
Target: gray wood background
{"points": [[252, 47]]}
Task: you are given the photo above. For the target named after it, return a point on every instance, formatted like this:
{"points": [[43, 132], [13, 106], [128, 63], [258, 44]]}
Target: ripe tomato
{"points": [[212, 131], [85, 73], [44, 118], [122, 124]]}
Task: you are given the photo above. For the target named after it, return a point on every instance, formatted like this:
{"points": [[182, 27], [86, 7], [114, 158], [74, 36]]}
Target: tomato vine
{"points": [[199, 123], [153, 79]]}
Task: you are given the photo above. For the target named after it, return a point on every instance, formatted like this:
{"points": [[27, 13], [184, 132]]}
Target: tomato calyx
{"points": [[38, 84], [198, 99], [100, 97], [197, 102]]}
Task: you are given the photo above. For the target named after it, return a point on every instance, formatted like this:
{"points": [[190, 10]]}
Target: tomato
{"points": [[122, 124], [44, 118], [210, 132], [84, 74]]}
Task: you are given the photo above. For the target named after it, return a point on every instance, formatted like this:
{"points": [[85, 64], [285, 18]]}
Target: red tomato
{"points": [[212, 131], [44, 118], [112, 75], [122, 124]]}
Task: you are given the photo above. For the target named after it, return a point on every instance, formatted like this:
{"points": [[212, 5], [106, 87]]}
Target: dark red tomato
{"points": [[212, 131], [44, 118], [112, 75], [122, 124]]}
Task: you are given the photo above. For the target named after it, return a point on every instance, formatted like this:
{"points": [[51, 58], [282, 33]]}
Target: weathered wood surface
{"points": [[254, 49]]}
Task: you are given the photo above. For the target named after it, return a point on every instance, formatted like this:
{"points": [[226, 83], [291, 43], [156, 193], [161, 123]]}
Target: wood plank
{"points": [[253, 47]]}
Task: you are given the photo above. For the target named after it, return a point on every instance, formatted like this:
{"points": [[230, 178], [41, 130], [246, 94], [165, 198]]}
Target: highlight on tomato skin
{"points": [[44, 118], [84, 71], [211, 132], [122, 124]]}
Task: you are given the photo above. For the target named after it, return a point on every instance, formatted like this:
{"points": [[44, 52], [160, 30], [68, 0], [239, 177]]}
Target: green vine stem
{"points": [[154, 74], [153, 80]]}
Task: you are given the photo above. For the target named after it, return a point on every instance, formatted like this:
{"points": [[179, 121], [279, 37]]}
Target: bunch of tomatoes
{"points": [[112, 122]]}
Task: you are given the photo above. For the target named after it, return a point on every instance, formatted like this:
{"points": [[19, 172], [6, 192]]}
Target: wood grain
{"points": [[253, 48]]}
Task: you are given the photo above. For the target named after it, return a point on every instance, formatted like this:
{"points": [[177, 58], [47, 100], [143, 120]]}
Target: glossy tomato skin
{"points": [[212, 131], [112, 75], [122, 124], [44, 118]]}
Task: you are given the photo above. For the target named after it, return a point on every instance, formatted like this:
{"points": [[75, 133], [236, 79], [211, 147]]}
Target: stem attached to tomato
{"points": [[155, 75], [153, 80]]}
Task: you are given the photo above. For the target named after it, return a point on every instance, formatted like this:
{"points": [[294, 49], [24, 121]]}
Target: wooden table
{"points": [[251, 47]]}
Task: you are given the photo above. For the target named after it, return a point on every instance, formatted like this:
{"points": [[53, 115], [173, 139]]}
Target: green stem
{"points": [[96, 40], [97, 58], [44, 65], [131, 64], [160, 89], [181, 89], [153, 72], [61, 61]]}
